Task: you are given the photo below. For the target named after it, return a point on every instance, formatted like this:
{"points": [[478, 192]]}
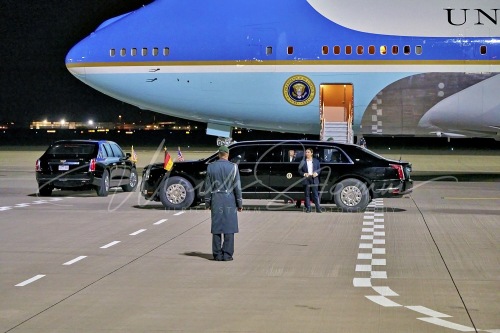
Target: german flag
{"points": [[168, 163]]}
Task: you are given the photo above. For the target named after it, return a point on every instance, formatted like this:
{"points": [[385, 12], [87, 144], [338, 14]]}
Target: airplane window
{"points": [[383, 49], [348, 49], [483, 49], [336, 49], [144, 52], [418, 49], [133, 52], [166, 51], [359, 49], [123, 52], [289, 50], [407, 49], [269, 50], [371, 49], [112, 52], [155, 51], [325, 49], [395, 49]]}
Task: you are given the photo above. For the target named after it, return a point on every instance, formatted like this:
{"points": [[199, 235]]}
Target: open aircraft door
{"points": [[336, 111]]}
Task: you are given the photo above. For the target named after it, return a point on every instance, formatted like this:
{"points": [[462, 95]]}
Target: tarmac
{"points": [[428, 262]]}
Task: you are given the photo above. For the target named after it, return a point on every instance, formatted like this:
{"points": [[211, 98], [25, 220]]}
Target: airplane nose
{"points": [[76, 58]]}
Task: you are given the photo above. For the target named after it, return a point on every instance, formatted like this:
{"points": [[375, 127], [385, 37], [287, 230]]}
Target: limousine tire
{"points": [[176, 193], [102, 189], [351, 195]]}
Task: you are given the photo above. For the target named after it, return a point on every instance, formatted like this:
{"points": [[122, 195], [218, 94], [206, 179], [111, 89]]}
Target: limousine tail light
{"points": [[399, 169], [37, 166], [92, 165]]}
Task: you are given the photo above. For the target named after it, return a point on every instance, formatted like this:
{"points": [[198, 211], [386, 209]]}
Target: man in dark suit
{"points": [[223, 197], [310, 169]]}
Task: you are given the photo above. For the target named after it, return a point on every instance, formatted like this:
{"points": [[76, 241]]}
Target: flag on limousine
{"points": [[167, 162]]}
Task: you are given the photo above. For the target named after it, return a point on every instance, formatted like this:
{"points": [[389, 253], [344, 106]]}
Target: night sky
{"points": [[35, 38]]}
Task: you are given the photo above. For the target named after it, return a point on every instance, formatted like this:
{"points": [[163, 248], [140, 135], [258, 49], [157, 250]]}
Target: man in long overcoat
{"points": [[223, 197]]}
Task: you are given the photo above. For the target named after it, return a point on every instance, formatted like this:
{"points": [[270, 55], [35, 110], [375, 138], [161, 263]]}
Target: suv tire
{"points": [[132, 182], [103, 188]]}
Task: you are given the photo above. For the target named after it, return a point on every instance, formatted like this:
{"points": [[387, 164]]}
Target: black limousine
{"points": [[351, 176]]}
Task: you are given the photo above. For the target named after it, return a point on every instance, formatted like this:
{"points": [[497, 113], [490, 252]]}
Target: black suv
{"points": [[351, 176], [85, 164]]}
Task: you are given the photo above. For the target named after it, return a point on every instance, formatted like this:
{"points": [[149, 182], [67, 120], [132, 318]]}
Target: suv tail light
{"points": [[399, 169], [37, 166], [92, 165]]}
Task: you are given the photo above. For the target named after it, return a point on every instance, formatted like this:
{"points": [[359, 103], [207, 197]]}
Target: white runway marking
{"points": [[109, 245], [28, 204], [372, 248], [71, 262], [33, 279], [137, 232]]}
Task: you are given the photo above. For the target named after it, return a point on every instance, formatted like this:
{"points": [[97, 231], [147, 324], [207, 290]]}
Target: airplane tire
{"points": [[176, 193], [351, 195]]}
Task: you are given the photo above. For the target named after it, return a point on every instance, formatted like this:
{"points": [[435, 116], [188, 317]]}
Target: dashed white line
{"points": [[179, 213], [137, 232], [33, 279], [71, 262], [160, 222], [109, 245]]}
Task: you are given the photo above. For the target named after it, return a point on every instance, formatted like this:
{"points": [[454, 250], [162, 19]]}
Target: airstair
{"points": [[336, 112]]}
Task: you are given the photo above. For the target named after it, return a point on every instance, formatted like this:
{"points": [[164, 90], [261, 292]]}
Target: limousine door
{"points": [[285, 180], [254, 176]]}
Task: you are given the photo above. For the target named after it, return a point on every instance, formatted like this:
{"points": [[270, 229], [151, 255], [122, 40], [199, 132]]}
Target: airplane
{"points": [[336, 68]]}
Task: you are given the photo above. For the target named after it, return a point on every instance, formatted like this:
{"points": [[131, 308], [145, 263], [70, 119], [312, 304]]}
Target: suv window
{"points": [[72, 149], [107, 152], [102, 152], [117, 152]]}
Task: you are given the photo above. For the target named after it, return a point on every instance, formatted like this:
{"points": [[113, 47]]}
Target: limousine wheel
{"points": [[351, 195], [176, 193]]}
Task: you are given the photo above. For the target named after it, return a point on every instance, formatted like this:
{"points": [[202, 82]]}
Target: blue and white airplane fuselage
{"points": [[414, 70]]}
